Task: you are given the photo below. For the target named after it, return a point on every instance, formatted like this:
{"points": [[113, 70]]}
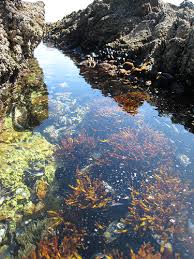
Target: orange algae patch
{"points": [[88, 193]]}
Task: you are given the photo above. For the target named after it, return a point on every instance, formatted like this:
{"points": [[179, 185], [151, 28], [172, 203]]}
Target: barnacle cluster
{"points": [[88, 193]]}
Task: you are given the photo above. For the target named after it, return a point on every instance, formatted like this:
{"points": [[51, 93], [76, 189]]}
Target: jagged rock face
{"points": [[21, 30], [149, 29]]}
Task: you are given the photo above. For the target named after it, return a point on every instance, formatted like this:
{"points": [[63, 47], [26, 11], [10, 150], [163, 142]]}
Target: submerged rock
{"points": [[19, 152]]}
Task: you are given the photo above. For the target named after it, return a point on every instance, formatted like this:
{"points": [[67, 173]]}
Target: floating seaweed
{"points": [[88, 193]]}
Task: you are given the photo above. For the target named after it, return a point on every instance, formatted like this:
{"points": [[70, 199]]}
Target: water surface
{"points": [[116, 177]]}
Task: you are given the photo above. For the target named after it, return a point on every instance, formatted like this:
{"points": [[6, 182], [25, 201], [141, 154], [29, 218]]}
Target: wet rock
{"points": [[139, 30], [123, 72], [163, 80]]}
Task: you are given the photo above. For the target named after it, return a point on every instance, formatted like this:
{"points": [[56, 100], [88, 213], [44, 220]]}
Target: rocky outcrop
{"points": [[21, 30], [139, 30]]}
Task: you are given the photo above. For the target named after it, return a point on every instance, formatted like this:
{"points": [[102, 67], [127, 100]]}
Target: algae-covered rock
{"points": [[22, 153]]}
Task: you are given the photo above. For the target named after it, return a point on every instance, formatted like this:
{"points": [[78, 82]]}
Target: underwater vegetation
{"points": [[23, 153], [107, 111], [88, 193], [76, 147], [141, 143], [162, 206], [131, 101], [67, 247], [146, 251]]}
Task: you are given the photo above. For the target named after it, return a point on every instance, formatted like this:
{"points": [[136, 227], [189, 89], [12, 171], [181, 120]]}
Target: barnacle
{"points": [[88, 193]]}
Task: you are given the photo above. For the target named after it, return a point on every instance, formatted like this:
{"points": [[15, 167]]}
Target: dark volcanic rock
{"points": [[145, 30], [21, 30]]}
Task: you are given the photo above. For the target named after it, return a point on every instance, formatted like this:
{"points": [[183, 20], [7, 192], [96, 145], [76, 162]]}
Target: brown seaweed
{"points": [[88, 193]]}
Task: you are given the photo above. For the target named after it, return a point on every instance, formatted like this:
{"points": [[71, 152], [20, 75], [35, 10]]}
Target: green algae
{"points": [[22, 153]]}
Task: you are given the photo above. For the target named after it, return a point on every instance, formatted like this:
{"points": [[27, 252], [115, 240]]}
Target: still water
{"points": [[101, 173]]}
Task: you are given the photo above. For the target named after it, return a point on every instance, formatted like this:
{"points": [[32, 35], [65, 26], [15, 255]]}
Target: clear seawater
{"points": [[113, 151]]}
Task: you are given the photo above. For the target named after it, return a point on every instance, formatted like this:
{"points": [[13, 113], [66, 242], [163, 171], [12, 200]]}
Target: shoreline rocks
{"points": [[21, 30], [138, 32]]}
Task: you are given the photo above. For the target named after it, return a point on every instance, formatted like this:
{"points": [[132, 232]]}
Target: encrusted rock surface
{"points": [[21, 30], [145, 30]]}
